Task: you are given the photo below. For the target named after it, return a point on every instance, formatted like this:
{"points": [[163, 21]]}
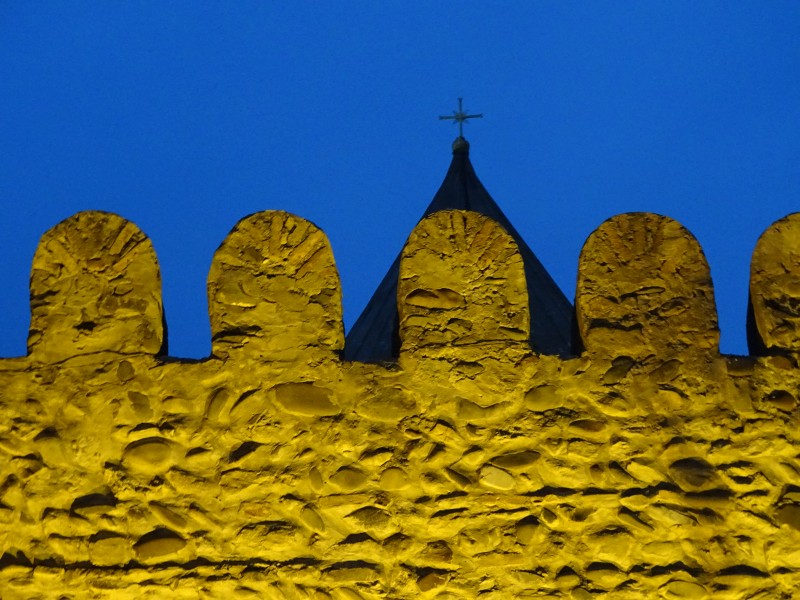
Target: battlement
{"points": [[647, 465], [644, 288]]}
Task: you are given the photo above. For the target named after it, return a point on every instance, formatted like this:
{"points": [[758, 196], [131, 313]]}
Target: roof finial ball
{"points": [[460, 116]]}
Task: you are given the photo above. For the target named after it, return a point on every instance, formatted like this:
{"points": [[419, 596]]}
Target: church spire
{"points": [[374, 336]]}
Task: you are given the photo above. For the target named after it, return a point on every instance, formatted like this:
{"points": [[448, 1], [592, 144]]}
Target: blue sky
{"points": [[186, 116]]}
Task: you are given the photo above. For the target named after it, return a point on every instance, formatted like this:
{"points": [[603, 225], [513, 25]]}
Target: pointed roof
{"points": [[374, 337]]}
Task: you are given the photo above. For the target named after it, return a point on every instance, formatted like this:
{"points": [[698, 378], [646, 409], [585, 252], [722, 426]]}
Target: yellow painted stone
{"points": [[644, 289], [95, 285], [493, 477], [152, 454], [273, 288], [431, 580], [775, 288], [111, 550], [461, 281], [648, 467], [312, 519], [348, 478], [393, 478], [305, 399], [151, 547], [684, 589]]}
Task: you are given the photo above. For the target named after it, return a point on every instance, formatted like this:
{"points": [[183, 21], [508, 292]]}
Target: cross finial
{"points": [[459, 116]]}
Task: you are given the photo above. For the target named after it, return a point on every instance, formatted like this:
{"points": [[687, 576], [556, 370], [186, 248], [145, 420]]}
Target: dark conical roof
{"points": [[374, 337]]}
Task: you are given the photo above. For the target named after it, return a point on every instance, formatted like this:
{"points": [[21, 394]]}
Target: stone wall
{"points": [[649, 466]]}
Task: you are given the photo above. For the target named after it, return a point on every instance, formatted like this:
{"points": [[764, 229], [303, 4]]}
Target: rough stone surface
{"points": [[775, 287], [461, 282], [644, 288], [273, 289], [95, 286], [473, 468]]}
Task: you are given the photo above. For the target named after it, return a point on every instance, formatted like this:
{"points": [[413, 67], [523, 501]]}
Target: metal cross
{"points": [[459, 116]]}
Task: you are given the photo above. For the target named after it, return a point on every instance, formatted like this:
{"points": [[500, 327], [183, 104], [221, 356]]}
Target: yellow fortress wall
{"points": [[650, 466]]}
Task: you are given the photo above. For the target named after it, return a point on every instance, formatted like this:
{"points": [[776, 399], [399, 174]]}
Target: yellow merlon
{"points": [[649, 466]]}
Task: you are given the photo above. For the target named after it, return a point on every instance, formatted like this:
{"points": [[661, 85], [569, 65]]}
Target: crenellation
{"points": [[274, 289], [644, 286], [95, 286], [648, 466], [461, 282], [774, 320]]}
